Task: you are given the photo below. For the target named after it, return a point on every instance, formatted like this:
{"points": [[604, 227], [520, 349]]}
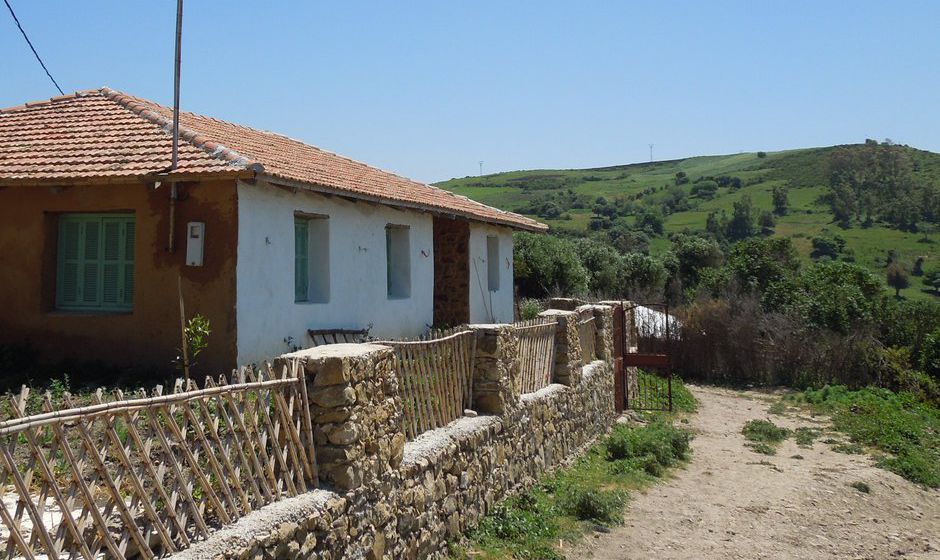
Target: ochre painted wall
{"points": [[147, 337]]}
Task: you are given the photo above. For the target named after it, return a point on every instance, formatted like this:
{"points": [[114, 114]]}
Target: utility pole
{"points": [[481, 167], [651, 153]]}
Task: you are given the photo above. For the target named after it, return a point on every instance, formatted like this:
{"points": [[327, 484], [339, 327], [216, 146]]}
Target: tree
{"points": [[705, 189], [827, 246], [766, 222], [837, 296], [932, 280], [694, 254], [759, 263], [604, 267], [545, 265], [781, 196], [741, 224], [643, 273], [650, 222], [715, 224], [898, 278], [761, 155], [681, 178]]}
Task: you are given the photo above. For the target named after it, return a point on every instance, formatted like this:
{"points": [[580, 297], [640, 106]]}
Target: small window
{"points": [[398, 261], [492, 262], [311, 259], [95, 262]]}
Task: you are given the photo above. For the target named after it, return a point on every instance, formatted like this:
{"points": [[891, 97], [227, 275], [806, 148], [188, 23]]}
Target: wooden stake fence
{"points": [[145, 477], [435, 378], [586, 331], [536, 354]]}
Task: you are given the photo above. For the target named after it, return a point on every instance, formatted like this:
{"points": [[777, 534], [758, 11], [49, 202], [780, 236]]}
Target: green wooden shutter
{"points": [[95, 262], [91, 265], [111, 262], [127, 282], [301, 252], [69, 262]]}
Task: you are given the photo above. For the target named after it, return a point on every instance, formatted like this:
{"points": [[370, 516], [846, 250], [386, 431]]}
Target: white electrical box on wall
{"points": [[195, 243]]}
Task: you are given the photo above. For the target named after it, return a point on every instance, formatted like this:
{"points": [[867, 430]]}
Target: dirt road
{"points": [[731, 502]]}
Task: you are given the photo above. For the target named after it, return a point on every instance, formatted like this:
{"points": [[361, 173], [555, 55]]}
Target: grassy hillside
{"points": [[804, 172]]}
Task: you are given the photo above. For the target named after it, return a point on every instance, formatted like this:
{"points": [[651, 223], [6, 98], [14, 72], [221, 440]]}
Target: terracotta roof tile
{"points": [[108, 134]]}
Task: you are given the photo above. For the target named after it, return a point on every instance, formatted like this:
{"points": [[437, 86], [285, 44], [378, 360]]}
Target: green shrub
{"points": [[861, 487], [764, 431], [762, 448], [520, 518], [661, 440], [529, 308], [896, 423], [600, 506], [806, 436], [648, 464]]}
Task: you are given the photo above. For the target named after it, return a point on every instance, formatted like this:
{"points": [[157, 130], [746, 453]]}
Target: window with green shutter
{"points": [[95, 269], [311, 258], [301, 264]]}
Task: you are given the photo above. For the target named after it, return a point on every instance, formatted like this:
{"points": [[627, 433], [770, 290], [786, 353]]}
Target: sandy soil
{"points": [[731, 502]]}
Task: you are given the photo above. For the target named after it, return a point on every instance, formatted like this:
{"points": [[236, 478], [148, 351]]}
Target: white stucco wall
{"points": [[487, 306], [266, 311]]}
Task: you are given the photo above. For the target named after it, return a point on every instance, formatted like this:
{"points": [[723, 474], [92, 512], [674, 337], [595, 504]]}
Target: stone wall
{"points": [[383, 498]]}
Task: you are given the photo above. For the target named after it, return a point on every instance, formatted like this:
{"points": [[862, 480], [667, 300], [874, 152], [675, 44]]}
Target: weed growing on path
{"points": [[806, 436], [897, 424], [590, 494], [848, 448]]}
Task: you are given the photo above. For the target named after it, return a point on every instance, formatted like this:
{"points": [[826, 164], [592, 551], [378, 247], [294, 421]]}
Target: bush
{"points": [[529, 308], [896, 423], [600, 506], [546, 265], [661, 440], [764, 431]]}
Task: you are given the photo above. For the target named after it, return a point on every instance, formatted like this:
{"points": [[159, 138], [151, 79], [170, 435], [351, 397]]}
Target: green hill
{"points": [[566, 199]]}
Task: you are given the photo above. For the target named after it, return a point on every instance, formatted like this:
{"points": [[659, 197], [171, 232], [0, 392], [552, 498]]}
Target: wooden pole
{"points": [[185, 343]]}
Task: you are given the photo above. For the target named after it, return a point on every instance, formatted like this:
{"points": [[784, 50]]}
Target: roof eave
{"points": [[123, 179], [536, 227]]}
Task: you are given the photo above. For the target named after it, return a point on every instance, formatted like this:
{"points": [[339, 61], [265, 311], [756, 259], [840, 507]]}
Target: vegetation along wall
{"points": [[388, 498]]}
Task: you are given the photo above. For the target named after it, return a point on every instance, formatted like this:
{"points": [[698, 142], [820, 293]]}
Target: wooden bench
{"points": [[321, 337]]}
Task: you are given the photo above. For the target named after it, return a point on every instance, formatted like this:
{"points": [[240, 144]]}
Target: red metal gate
{"points": [[643, 363]]}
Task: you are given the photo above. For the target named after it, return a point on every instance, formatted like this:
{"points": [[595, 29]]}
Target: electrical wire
{"points": [[30, 43]]}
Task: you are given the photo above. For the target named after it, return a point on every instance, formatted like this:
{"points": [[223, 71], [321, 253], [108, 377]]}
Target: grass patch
{"points": [[897, 424], [848, 448], [764, 436], [861, 487], [779, 408], [764, 431], [682, 399], [806, 436], [593, 492], [762, 448]]}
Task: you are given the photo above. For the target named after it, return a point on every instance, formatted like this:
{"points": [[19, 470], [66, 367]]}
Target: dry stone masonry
{"points": [[385, 498]]}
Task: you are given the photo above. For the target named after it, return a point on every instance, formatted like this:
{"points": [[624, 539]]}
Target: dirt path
{"points": [[726, 504]]}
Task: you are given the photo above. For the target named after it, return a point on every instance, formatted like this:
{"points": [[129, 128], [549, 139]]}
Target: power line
{"points": [[30, 43]]}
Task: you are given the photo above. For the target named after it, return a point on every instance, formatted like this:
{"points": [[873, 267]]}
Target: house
{"points": [[265, 236]]}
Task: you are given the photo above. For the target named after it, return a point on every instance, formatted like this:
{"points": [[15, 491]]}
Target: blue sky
{"points": [[427, 89]]}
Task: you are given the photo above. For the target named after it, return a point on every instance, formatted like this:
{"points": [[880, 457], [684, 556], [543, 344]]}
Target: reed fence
{"points": [[435, 378], [536, 354], [146, 475], [586, 332]]}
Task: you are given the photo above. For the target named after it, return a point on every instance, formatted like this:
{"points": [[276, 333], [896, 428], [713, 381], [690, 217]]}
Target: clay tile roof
{"points": [[107, 135]]}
